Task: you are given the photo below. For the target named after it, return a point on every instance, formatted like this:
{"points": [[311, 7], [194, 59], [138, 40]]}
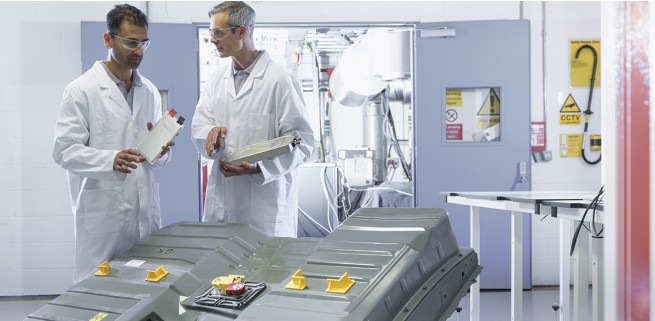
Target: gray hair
{"points": [[238, 13]]}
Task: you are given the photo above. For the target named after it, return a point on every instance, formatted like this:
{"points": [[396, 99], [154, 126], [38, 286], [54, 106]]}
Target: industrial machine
{"points": [[356, 82], [380, 264]]}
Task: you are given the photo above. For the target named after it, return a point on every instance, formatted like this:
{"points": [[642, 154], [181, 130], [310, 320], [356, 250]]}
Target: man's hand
{"points": [[246, 168], [214, 139], [127, 158]]}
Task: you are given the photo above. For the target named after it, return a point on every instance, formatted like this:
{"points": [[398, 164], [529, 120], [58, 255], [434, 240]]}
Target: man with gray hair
{"points": [[252, 100]]}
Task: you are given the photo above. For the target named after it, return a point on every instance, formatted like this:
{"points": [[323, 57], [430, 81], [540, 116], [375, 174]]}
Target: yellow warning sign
{"points": [[486, 122], [570, 145], [570, 112], [570, 119], [491, 105], [582, 66], [99, 316], [453, 98], [570, 106]]}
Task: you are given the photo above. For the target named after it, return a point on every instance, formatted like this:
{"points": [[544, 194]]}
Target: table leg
{"points": [[517, 266], [581, 276], [564, 270], [597, 279], [475, 244]]}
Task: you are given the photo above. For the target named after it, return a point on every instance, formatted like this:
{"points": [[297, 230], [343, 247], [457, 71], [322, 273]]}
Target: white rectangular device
{"points": [[164, 130], [263, 150]]}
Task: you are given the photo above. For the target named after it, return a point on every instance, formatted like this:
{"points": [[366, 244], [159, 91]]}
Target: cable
{"points": [[588, 112], [594, 203], [596, 234], [394, 137], [326, 193], [381, 188], [317, 224]]}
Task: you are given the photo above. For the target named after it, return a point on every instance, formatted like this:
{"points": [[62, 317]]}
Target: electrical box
{"points": [[357, 165], [538, 136]]}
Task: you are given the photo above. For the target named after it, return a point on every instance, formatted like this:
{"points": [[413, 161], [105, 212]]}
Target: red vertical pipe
{"points": [[633, 164]]}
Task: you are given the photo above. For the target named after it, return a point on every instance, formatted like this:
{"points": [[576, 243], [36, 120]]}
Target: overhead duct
{"points": [[352, 83], [392, 58], [381, 55]]}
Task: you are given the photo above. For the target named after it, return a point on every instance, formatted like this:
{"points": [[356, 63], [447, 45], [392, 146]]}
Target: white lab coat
{"points": [[269, 105], [112, 210]]}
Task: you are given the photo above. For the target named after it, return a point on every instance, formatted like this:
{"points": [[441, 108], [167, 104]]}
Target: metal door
{"points": [[460, 58], [171, 63]]}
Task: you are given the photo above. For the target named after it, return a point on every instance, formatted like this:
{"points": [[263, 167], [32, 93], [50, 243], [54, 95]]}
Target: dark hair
{"points": [[124, 12], [238, 13]]}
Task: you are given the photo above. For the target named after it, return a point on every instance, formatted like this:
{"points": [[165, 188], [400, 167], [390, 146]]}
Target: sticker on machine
{"points": [[135, 263]]}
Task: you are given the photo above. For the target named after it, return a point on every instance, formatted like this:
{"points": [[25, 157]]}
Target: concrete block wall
{"points": [[42, 54]]}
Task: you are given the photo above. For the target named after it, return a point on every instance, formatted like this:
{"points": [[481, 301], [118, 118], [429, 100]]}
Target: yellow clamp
{"points": [[342, 285], [220, 283], [156, 275], [298, 281], [103, 269]]}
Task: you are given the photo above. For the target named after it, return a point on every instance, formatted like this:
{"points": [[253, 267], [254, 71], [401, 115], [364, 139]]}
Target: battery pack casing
{"points": [[263, 150], [164, 130]]}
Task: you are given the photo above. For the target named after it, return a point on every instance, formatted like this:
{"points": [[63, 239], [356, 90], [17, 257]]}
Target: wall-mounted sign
{"points": [[472, 114], [570, 113], [582, 67], [570, 145]]}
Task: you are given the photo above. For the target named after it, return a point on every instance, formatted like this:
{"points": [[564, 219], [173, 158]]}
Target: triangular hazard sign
{"points": [[570, 106], [491, 105]]}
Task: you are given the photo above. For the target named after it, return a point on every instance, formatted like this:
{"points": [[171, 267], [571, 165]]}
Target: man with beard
{"points": [[104, 114]]}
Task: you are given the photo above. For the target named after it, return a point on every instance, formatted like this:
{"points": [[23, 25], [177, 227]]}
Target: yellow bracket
{"points": [[236, 278], [221, 282], [342, 285], [156, 275], [103, 269], [298, 282]]}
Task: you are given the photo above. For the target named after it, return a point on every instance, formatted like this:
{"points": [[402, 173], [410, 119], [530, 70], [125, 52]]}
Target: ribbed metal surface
{"points": [[405, 262]]}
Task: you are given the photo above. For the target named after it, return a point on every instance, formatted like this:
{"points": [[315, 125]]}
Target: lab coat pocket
{"points": [[261, 128], [100, 210], [104, 133]]}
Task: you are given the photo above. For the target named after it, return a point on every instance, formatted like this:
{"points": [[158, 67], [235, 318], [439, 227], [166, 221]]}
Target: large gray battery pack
{"points": [[405, 264]]}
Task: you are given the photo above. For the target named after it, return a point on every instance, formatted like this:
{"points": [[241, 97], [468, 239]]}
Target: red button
{"points": [[235, 289]]}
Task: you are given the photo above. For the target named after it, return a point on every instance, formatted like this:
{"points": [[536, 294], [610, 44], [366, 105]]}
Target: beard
{"points": [[130, 61], [133, 61]]}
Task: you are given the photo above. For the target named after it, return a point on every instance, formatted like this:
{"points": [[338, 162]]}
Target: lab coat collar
{"points": [[257, 72], [113, 93]]}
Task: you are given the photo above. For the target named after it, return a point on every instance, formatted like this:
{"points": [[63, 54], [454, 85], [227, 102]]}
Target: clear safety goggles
{"points": [[131, 43], [219, 33]]}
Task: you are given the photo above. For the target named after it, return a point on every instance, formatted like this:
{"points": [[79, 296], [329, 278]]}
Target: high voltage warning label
{"points": [[570, 113]]}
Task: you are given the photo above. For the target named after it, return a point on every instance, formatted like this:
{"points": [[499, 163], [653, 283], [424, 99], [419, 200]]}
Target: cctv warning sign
{"points": [[570, 113], [570, 119]]}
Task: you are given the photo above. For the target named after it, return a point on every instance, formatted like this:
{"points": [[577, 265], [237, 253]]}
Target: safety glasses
{"points": [[219, 33], [132, 44]]}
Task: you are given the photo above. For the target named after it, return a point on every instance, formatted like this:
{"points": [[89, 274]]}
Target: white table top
{"points": [[526, 196]]}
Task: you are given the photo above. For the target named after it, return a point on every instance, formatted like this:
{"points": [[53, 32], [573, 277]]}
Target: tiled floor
{"points": [[18, 308], [495, 306]]}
